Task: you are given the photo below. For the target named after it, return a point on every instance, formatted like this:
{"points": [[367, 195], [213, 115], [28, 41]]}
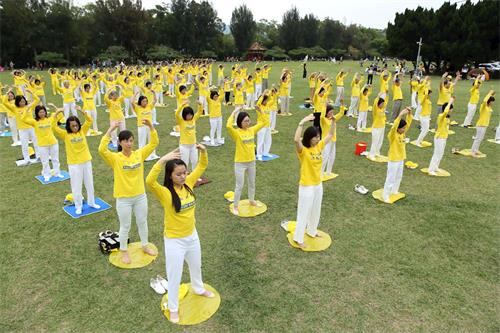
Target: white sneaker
{"points": [[95, 206], [46, 179], [60, 175], [163, 282], [360, 189], [157, 287], [78, 211], [432, 173], [284, 225]]}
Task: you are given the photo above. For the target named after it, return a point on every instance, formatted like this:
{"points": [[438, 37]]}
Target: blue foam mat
{"points": [[86, 210], [53, 179], [267, 158], [6, 134]]}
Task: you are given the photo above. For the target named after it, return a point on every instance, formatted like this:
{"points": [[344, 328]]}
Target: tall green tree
{"points": [[290, 30], [242, 28], [309, 26]]}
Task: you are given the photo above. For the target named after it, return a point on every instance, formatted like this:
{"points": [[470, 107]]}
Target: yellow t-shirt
{"points": [[356, 88], [215, 107], [244, 140], [67, 93], [339, 79], [8, 106], [474, 93], [143, 113], [484, 113], [426, 107], [177, 224], [326, 123], [238, 96], [43, 130], [128, 172], [378, 114], [310, 164], [364, 101], [115, 108], [444, 95], [187, 127], [414, 86], [396, 92], [319, 103], [88, 99], [181, 98], [443, 124], [397, 145], [283, 89], [77, 149]]}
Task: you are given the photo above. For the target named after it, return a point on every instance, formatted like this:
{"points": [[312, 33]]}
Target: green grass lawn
{"points": [[429, 263]]}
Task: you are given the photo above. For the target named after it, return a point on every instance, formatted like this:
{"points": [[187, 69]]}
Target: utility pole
{"points": [[418, 56]]}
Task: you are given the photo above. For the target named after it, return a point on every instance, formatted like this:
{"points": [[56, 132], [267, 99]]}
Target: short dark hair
{"points": [[39, 108], [86, 85], [402, 123], [213, 93], [241, 116], [68, 122], [124, 135], [141, 98], [187, 110], [18, 100], [309, 133], [491, 99]]}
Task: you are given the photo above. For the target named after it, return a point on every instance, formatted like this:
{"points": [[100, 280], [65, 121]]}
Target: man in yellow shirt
{"points": [[483, 122], [397, 153]]}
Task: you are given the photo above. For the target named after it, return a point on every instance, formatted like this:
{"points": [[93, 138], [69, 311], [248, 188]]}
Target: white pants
{"points": [[13, 129], [393, 179], [250, 100], [239, 173], [114, 134], [353, 108], [308, 211], [220, 81], [258, 91], [43, 100], [216, 127], [171, 89], [340, 95], [328, 157], [127, 103], [439, 145], [103, 87], [424, 128], [51, 151], [159, 97], [81, 174], [144, 137], [203, 101], [414, 100], [153, 116], [471, 111], [124, 208], [26, 135], [273, 119], [77, 95], [361, 123], [497, 133], [93, 115], [3, 117], [189, 154], [69, 107], [97, 98], [285, 104], [178, 250], [264, 141], [480, 132], [377, 140], [417, 112]]}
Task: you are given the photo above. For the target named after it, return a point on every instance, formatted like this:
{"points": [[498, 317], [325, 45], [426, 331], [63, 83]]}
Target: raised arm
{"points": [[150, 147], [200, 167], [298, 132], [162, 193], [107, 155]]}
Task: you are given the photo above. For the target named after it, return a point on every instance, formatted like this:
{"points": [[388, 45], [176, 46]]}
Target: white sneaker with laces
{"points": [[163, 282], [95, 206], [157, 287], [78, 211]]}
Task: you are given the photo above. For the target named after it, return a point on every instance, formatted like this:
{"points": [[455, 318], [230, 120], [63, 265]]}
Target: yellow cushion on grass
{"points": [[137, 256], [328, 177], [286, 115], [411, 165], [468, 152], [453, 123], [364, 130], [194, 309], [439, 172], [229, 196], [378, 194], [424, 144], [450, 132], [378, 158], [494, 141], [313, 244], [274, 132], [246, 210]]}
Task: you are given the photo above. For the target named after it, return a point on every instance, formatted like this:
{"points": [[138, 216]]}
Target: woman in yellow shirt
{"points": [[443, 124], [114, 104], [88, 97], [128, 188], [249, 92], [363, 107], [309, 152], [473, 100], [143, 110], [215, 114], [355, 92], [180, 236], [67, 91], [186, 119], [397, 96], [9, 98], [378, 125], [78, 158], [483, 122], [244, 158], [26, 131], [425, 117], [397, 153], [47, 143], [38, 88], [54, 82], [128, 92], [220, 75], [339, 81], [264, 138], [330, 146], [284, 93]]}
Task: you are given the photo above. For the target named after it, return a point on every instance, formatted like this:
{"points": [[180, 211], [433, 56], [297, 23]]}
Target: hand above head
{"points": [[148, 123], [201, 147], [174, 154], [307, 118]]}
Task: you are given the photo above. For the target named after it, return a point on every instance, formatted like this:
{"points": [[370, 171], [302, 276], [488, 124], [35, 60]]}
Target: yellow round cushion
{"points": [[313, 244], [439, 172], [494, 141], [193, 309], [229, 196], [327, 177], [247, 210], [468, 152], [379, 195], [423, 144], [137, 256], [378, 158]]}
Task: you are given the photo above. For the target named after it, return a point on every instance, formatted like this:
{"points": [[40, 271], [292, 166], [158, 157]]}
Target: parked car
{"points": [[492, 68]]}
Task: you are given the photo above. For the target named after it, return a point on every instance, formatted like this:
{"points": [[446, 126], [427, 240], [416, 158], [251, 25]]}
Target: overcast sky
{"points": [[369, 13]]}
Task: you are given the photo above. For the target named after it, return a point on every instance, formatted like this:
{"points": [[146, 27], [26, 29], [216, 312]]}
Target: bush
{"points": [[52, 58], [161, 52], [208, 54], [114, 53], [276, 53]]}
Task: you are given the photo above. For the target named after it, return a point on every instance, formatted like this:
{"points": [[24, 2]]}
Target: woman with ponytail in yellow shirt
{"points": [[330, 146], [186, 119], [114, 104], [363, 107], [483, 122], [88, 97], [473, 100], [47, 143], [397, 153], [309, 152], [378, 125], [443, 125], [244, 158], [143, 110], [425, 116], [68, 94], [180, 236], [128, 188], [78, 158]]}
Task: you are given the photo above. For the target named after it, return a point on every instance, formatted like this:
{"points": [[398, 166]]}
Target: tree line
{"points": [[55, 32]]}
